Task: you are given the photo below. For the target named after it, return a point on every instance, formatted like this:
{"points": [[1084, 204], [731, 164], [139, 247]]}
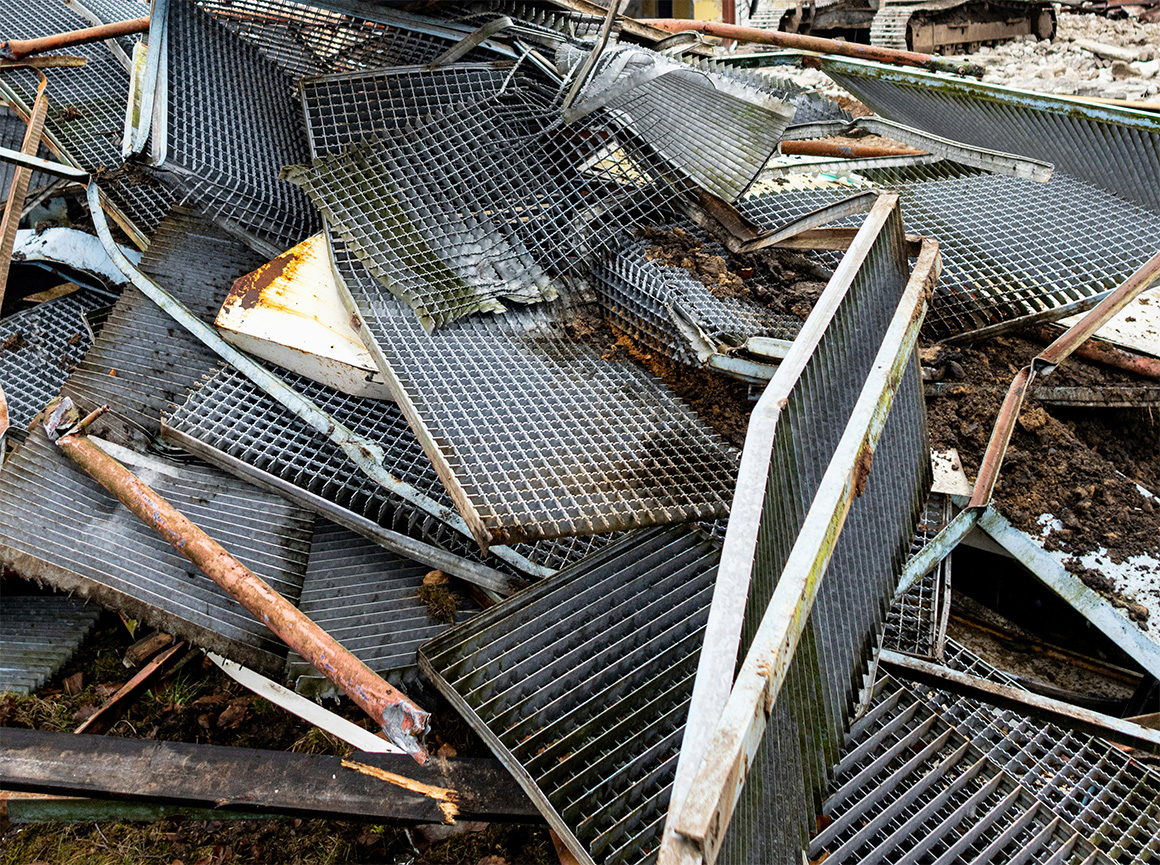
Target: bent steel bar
{"points": [[700, 812], [367, 455]]}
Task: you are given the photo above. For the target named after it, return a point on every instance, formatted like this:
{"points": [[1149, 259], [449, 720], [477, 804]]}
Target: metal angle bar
{"points": [[366, 454], [862, 202], [10, 221], [704, 816], [472, 41], [936, 549], [723, 631], [1023, 701], [1071, 589], [139, 112]]}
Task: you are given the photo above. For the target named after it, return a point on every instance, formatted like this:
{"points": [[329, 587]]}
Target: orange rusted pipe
{"points": [[15, 49], [842, 150], [402, 721], [1104, 352], [795, 41]]}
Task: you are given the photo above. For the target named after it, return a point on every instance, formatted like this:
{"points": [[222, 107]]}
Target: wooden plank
{"points": [[250, 779]]}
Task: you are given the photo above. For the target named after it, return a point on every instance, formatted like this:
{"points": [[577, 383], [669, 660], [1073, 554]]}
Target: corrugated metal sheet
{"points": [[580, 685], [62, 528], [39, 633]]}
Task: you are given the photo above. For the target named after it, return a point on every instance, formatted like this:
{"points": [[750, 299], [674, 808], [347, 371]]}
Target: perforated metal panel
{"points": [[38, 634], [1013, 250], [534, 433], [39, 347], [1114, 148], [367, 599], [60, 527], [910, 787], [580, 685], [231, 127], [86, 106]]}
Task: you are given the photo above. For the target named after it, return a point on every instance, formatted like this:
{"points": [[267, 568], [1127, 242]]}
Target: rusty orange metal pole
{"points": [[15, 49], [10, 221], [843, 150], [402, 721], [1104, 352], [795, 41]]}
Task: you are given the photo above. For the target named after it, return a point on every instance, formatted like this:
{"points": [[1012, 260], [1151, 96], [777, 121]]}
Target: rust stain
{"points": [[247, 290], [862, 470]]}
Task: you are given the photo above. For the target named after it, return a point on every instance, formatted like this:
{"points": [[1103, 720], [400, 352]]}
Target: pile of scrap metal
{"points": [[383, 256]]}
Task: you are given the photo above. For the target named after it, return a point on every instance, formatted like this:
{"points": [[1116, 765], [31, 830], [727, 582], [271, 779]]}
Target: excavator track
{"points": [[955, 26]]}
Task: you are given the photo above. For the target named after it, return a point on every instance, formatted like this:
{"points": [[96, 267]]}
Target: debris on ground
{"points": [[628, 439]]}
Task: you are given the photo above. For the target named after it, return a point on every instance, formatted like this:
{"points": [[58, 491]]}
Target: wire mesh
{"points": [[580, 685], [39, 347], [546, 27], [61, 527], [917, 621], [366, 598], [86, 112], [231, 127], [39, 634], [12, 130], [534, 433], [1013, 250], [809, 105], [719, 129]]}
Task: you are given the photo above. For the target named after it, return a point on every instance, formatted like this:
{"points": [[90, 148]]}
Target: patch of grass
{"points": [[318, 741]]}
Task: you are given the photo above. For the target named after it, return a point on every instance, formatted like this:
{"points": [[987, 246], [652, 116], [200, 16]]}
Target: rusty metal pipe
{"points": [[402, 721], [1104, 352], [795, 41], [843, 150], [15, 49]]}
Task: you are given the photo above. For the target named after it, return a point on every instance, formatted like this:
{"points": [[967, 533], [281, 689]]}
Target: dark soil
{"points": [[774, 278], [1061, 462], [15, 342]]}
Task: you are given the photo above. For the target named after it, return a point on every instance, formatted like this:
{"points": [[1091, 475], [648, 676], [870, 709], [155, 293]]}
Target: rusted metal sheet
{"points": [[289, 311]]}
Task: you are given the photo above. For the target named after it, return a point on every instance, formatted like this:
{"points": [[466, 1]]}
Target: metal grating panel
{"points": [[307, 39], [546, 27], [533, 433], [38, 634], [12, 130], [580, 685], [89, 134], [1113, 799], [909, 787], [62, 528], [1013, 249], [229, 415], [655, 302], [810, 106], [143, 359], [366, 598], [1110, 147], [719, 129], [231, 127], [917, 621], [39, 348]]}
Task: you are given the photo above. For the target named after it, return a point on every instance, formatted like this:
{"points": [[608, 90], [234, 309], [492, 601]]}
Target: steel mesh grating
{"points": [[39, 347], [62, 528], [1012, 249], [543, 26], [555, 677], [143, 359], [1113, 148], [917, 621], [12, 130], [535, 435], [910, 787], [720, 129], [653, 301], [366, 598], [86, 106], [228, 414], [307, 39], [231, 127], [39, 633], [810, 106]]}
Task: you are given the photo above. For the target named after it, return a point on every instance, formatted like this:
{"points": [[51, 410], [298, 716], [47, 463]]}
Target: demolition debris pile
{"points": [[614, 394]]}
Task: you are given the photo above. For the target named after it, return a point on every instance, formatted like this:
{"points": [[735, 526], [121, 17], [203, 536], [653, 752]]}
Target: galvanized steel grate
{"points": [[62, 528], [86, 106], [39, 347], [910, 787], [547, 27], [580, 685], [367, 599], [917, 621], [39, 633], [12, 130], [534, 434], [1110, 147], [810, 106], [241, 428], [231, 125], [1013, 250]]}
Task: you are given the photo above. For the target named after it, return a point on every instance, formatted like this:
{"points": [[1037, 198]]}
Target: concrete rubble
{"points": [[742, 439]]}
